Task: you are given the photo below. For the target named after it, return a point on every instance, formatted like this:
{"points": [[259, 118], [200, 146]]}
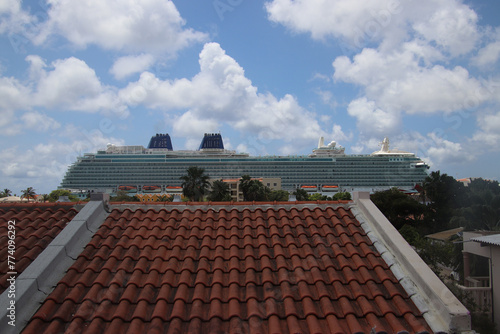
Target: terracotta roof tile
{"points": [[36, 225], [248, 270]]}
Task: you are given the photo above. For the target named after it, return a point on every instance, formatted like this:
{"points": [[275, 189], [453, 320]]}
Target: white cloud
{"points": [[190, 126], [40, 122], [70, 80], [135, 25], [373, 121], [445, 152], [14, 20], [128, 65], [71, 84], [488, 134], [448, 23], [222, 93], [12, 94], [488, 55], [12, 97], [341, 18], [7, 6], [67, 84], [339, 135], [399, 81], [44, 164], [453, 27]]}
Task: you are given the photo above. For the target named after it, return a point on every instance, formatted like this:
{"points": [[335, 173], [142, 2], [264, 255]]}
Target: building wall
{"points": [[495, 279], [493, 253]]}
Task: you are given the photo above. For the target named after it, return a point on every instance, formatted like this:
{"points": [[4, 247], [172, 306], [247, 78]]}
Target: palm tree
{"points": [[220, 192], [28, 193], [6, 193], [195, 183], [245, 183]]}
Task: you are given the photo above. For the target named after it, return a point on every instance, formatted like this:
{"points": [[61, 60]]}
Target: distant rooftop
{"points": [[488, 239]]}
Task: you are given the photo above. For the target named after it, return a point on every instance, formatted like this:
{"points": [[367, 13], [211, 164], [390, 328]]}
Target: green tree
{"points": [[344, 196], [253, 190], [6, 193], [245, 182], [28, 193], [442, 190], [123, 196], [220, 192], [399, 208], [279, 195], [55, 194], [317, 197], [195, 184], [301, 195]]}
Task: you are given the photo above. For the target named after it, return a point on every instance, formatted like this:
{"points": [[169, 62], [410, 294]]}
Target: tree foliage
{"points": [[342, 196], [195, 184], [254, 190], [55, 194], [28, 193], [6, 193], [301, 194], [123, 196], [399, 208], [220, 192], [279, 195]]}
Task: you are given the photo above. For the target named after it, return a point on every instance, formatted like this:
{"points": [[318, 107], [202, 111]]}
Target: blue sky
{"points": [[271, 76]]}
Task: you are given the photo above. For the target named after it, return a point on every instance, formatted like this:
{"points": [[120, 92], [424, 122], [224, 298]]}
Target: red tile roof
{"points": [[248, 269], [36, 225]]}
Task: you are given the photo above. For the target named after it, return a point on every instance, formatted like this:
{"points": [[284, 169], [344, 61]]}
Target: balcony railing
{"points": [[479, 292]]}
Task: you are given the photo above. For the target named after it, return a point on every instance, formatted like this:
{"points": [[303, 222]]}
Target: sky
{"points": [[271, 76]]}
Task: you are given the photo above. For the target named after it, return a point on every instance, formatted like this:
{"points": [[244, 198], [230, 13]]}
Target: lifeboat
{"points": [[151, 188], [128, 188]]}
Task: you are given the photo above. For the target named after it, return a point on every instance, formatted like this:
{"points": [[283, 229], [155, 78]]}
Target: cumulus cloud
{"points": [[221, 93], [373, 121], [190, 126], [448, 23], [488, 132], [128, 65], [489, 54], [136, 25], [399, 81], [444, 151], [13, 19], [39, 121], [64, 85], [46, 163], [12, 95], [67, 84], [453, 26], [341, 18]]}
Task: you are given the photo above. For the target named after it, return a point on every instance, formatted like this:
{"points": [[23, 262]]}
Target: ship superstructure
{"points": [[159, 168]]}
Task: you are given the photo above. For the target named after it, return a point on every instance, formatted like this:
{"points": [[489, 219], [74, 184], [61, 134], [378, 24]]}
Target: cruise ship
{"points": [[158, 168]]}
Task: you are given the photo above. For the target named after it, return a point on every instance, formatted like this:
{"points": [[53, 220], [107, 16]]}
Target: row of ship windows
{"points": [[178, 171], [315, 175], [339, 180], [248, 165]]}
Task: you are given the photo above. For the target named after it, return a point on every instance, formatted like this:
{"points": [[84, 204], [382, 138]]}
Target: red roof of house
{"points": [[221, 269], [36, 225]]}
